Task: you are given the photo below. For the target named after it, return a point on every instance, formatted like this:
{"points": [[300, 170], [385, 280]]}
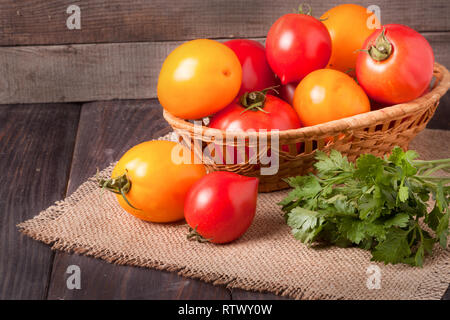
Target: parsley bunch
{"points": [[379, 205]]}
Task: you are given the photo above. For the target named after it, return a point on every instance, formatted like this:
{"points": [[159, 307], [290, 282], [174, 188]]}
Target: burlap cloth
{"points": [[267, 258]]}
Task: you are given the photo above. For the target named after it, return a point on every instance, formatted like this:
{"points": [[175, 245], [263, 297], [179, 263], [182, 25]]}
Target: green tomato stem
{"points": [[119, 185], [254, 101], [382, 48], [301, 9]]}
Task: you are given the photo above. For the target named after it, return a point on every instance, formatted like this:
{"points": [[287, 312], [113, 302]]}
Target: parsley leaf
{"points": [[442, 230], [394, 249], [305, 224], [374, 205]]}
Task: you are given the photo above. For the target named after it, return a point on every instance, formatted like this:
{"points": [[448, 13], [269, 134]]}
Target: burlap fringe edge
{"points": [[432, 288], [214, 279]]}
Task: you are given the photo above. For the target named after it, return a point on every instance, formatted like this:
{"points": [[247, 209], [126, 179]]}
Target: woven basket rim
{"points": [[335, 127]]}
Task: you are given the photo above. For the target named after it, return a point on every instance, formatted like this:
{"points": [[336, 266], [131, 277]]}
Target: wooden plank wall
{"points": [[120, 47]]}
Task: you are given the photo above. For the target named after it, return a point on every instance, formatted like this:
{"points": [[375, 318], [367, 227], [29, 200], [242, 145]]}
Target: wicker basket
{"points": [[375, 132]]}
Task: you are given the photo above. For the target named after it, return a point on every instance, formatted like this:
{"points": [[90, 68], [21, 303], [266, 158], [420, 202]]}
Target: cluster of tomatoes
{"points": [[311, 71], [159, 181]]}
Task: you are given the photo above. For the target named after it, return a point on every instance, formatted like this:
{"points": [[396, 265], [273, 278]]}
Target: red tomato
{"points": [[287, 92], [256, 72], [398, 66], [221, 206], [275, 114], [296, 45]]}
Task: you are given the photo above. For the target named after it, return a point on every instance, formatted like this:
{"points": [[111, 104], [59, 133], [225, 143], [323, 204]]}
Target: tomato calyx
{"points": [[194, 235], [382, 48], [255, 100], [301, 9], [118, 185], [308, 11]]}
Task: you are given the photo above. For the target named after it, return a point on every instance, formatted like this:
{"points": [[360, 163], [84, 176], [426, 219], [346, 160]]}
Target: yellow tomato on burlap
{"points": [[151, 183]]}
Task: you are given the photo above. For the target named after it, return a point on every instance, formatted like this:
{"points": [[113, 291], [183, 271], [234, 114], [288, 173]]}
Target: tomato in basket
{"points": [[325, 95], [396, 66], [256, 72], [296, 45], [256, 111], [199, 78], [287, 92], [349, 26]]}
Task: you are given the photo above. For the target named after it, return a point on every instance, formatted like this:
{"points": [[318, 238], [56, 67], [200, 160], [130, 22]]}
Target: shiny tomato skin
{"points": [[279, 115], [256, 72], [326, 94], [405, 75], [158, 185], [296, 45], [221, 206], [199, 78], [287, 92], [349, 26]]}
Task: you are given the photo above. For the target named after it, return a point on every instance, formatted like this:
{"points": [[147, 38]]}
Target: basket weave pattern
{"points": [[375, 132]]}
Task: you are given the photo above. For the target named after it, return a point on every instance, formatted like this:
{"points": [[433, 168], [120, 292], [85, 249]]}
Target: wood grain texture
{"points": [[102, 71], [106, 131], [81, 72], [35, 22], [441, 118], [103, 281], [36, 145], [440, 42]]}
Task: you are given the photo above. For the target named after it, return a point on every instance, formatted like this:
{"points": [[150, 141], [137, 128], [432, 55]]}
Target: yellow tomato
{"points": [[325, 95], [199, 78], [349, 26], [158, 185]]}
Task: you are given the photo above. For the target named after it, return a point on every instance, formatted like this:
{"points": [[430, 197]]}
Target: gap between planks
{"points": [[94, 72], [103, 21]]}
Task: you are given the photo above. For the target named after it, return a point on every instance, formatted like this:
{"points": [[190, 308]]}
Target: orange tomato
{"points": [[348, 25], [199, 78], [325, 95], [158, 184]]}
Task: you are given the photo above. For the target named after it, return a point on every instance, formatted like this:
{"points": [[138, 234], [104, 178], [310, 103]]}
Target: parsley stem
{"points": [[424, 162], [376, 204], [437, 168], [434, 179], [413, 237]]}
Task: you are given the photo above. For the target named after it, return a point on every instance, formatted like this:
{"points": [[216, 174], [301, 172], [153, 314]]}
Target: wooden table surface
{"points": [[46, 152]]}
